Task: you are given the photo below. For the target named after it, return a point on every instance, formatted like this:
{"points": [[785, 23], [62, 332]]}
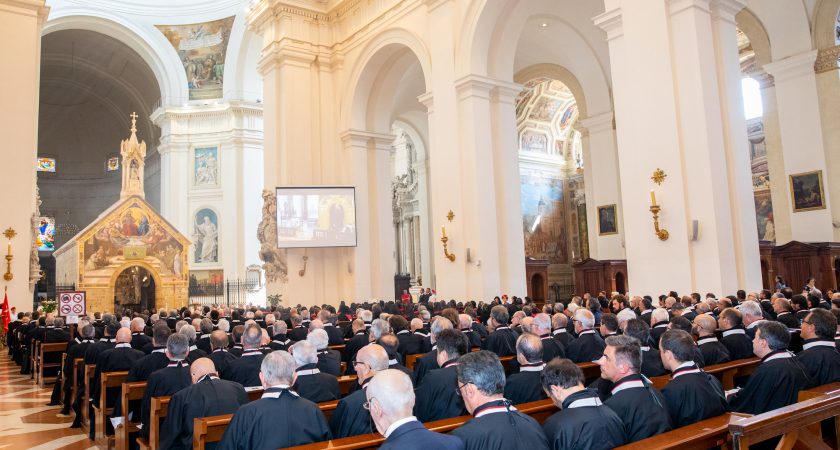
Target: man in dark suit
{"points": [[588, 346], [355, 343], [819, 356], [552, 348], [350, 417], [391, 398], [409, 343], [219, 354], [246, 369], [784, 313], [658, 324], [437, 395], [329, 360], [524, 386], [139, 340]]}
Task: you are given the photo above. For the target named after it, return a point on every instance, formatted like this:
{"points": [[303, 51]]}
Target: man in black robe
{"points": [[236, 337], [713, 351], [524, 386], [734, 335], [359, 340], [496, 424], [219, 354], [551, 348], [350, 417], [168, 380], [651, 362], [692, 395], [309, 381], [391, 344], [641, 407], [329, 360], [559, 322], [147, 365], [502, 341], [776, 382], [281, 418], [819, 356], [410, 343], [87, 333], [208, 396], [279, 340], [120, 358], [588, 346], [390, 396], [465, 325], [583, 422], [784, 312], [138, 334], [437, 395], [659, 319], [246, 369], [333, 331], [299, 331], [428, 362], [203, 341]]}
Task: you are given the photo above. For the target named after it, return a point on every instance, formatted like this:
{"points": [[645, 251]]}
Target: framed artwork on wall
{"points": [[607, 223], [206, 167], [806, 191]]}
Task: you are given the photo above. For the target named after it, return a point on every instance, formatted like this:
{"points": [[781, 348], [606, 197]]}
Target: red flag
{"points": [[6, 314]]}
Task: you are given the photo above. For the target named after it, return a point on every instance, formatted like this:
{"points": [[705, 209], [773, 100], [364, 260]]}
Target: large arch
{"points": [[788, 29], [824, 20], [559, 73], [168, 70]]}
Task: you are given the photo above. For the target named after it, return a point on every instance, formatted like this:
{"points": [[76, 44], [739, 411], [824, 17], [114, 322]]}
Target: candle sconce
{"points": [[661, 233], [445, 240], [9, 233]]}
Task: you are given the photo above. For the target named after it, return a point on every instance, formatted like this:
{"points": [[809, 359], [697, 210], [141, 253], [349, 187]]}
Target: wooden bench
{"points": [[702, 435], [830, 389], [100, 406], [78, 372], [34, 349], [591, 371], [158, 411], [345, 382], [411, 360], [130, 391], [45, 349], [89, 371], [726, 372], [793, 423]]}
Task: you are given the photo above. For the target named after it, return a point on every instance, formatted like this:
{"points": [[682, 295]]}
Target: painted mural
{"points": [[544, 218], [132, 233], [206, 167], [206, 237], [201, 48], [761, 181]]}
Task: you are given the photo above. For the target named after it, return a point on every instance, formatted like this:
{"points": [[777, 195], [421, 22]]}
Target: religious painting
{"points": [[807, 191], [206, 167], [206, 237], [544, 109], [207, 277], [132, 233], [544, 217], [202, 48], [46, 234], [113, 164], [607, 223], [568, 114], [764, 216], [46, 165], [534, 141]]}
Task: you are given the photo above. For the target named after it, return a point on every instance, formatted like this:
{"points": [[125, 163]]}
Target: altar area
{"points": [[129, 257]]}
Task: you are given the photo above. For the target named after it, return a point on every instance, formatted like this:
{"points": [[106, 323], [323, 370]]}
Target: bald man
{"points": [[219, 354], [713, 351], [525, 386], [207, 396], [120, 358], [350, 417], [390, 395]]}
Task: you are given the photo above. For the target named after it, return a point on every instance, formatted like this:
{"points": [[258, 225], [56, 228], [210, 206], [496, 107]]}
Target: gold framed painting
{"points": [[806, 191], [607, 223]]}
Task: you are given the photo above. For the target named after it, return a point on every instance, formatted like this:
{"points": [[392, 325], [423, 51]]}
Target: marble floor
{"points": [[25, 420]]}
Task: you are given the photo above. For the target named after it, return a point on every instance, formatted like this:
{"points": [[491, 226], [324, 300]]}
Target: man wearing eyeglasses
{"points": [[819, 356], [496, 424], [390, 400], [350, 417]]}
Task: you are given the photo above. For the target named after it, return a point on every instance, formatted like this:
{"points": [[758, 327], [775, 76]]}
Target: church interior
{"points": [[283, 156]]}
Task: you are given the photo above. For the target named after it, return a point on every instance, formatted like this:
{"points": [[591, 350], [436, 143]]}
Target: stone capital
{"points": [[428, 100], [727, 9], [29, 8], [361, 139], [792, 67], [482, 87], [286, 53]]}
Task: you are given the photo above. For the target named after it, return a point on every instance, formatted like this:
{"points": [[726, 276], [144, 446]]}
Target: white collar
{"points": [[645, 349], [661, 325], [160, 350], [277, 394], [123, 345], [781, 355], [782, 313], [733, 331], [820, 343], [677, 372], [495, 409], [398, 424], [308, 372], [402, 332], [706, 340], [589, 401], [538, 368], [558, 331], [501, 328], [204, 336], [328, 325], [629, 384], [286, 342], [392, 362], [586, 332], [193, 347], [755, 324]]}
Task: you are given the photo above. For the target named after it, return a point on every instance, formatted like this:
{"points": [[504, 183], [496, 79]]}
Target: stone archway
{"points": [[134, 290]]}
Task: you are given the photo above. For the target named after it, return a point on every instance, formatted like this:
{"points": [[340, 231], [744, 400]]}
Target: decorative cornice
{"points": [[428, 100], [30, 8], [727, 9], [597, 123], [611, 22], [361, 138], [792, 66], [481, 86], [765, 80], [827, 59]]}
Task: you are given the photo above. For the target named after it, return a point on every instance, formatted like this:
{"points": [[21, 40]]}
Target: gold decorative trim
{"points": [[827, 59]]}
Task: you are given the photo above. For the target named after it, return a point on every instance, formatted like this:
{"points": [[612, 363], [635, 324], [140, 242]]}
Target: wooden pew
{"points": [[78, 371], [44, 349], [830, 389], [726, 372], [34, 349], [100, 407], [793, 423], [702, 435], [411, 360], [345, 382], [130, 391], [158, 410], [90, 370], [591, 371]]}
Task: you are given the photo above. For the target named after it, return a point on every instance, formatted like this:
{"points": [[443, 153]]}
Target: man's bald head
{"points": [[123, 336], [374, 355], [706, 324], [201, 367], [218, 339], [392, 398]]}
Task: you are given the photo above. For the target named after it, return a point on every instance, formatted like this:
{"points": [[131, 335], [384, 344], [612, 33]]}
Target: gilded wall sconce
{"points": [[659, 176], [445, 240], [9, 233], [661, 233]]}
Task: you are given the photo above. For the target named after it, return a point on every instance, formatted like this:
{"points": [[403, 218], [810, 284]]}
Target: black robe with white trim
{"points": [[584, 423], [821, 361], [737, 343], [641, 407], [314, 385], [525, 386], [164, 382], [497, 425], [775, 383], [350, 418], [693, 395], [279, 419], [437, 396], [246, 369], [713, 351], [221, 359]]}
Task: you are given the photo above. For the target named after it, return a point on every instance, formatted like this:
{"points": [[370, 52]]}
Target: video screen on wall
{"points": [[316, 217]]}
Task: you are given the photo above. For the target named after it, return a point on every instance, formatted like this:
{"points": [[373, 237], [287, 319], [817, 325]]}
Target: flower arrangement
{"points": [[49, 305]]}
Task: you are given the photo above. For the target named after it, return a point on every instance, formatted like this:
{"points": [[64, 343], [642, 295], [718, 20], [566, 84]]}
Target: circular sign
{"points": [[77, 309], [77, 298], [65, 309]]}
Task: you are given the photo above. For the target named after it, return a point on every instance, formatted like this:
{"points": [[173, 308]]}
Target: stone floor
{"points": [[25, 420]]}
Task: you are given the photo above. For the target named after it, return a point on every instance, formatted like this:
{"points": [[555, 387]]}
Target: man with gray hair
{"points": [[378, 328], [279, 341], [659, 320], [588, 346], [524, 387], [350, 417], [552, 348], [298, 332], [753, 315], [195, 352], [280, 418], [203, 341], [390, 396], [168, 380], [333, 331], [329, 360], [502, 341], [465, 324], [309, 381], [496, 424], [246, 369], [428, 362], [561, 333]]}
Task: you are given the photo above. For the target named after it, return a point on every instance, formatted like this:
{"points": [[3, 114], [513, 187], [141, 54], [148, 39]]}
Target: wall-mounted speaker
{"points": [[695, 230]]}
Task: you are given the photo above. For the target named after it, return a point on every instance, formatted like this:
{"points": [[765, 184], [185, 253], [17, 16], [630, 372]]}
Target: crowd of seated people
{"points": [[207, 359]]}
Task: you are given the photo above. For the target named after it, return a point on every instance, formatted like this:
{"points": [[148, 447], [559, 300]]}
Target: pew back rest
{"points": [[158, 410], [702, 435], [109, 380], [209, 429], [789, 419], [411, 360]]}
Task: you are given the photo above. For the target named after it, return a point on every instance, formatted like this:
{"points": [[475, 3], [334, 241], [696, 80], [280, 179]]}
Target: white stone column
{"points": [[601, 184], [174, 182], [672, 79], [21, 22], [385, 256], [800, 125]]}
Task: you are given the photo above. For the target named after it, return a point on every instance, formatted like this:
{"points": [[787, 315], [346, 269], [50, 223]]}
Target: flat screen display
{"points": [[316, 217]]}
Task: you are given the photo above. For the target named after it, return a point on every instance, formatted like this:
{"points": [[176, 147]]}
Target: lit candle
{"points": [[652, 198], [10, 248], [442, 230]]}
